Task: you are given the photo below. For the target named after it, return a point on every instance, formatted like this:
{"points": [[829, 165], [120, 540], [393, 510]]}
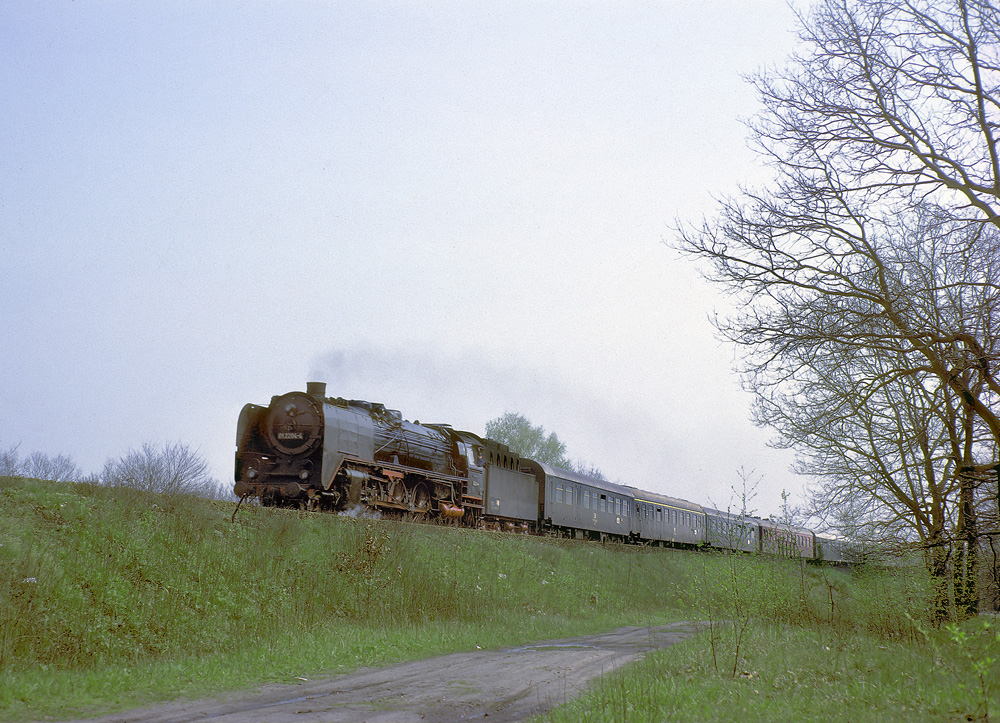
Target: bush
{"points": [[38, 465], [174, 469], [55, 469], [9, 464]]}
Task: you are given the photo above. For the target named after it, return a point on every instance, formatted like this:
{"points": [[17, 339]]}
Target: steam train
{"points": [[309, 451]]}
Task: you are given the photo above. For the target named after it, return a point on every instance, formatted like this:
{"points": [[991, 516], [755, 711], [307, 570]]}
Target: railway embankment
{"points": [[111, 599]]}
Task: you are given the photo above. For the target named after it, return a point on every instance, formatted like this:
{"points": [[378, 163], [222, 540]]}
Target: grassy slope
{"points": [[110, 599]]}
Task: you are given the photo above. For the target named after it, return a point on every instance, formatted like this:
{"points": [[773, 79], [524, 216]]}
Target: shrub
{"points": [[174, 469]]}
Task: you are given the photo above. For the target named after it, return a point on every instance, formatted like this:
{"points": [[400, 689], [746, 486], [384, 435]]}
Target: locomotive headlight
{"points": [[304, 474], [251, 473]]}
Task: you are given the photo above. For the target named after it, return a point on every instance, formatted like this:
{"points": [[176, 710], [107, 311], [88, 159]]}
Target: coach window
{"points": [[603, 504], [558, 496]]}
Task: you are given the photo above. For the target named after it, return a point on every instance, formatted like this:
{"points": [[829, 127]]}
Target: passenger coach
{"points": [[668, 520], [731, 532], [582, 507]]}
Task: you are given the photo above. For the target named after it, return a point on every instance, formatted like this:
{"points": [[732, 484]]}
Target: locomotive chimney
{"points": [[316, 390]]}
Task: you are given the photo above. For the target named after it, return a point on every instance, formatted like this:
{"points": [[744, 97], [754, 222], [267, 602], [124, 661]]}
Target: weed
{"points": [[96, 581]]}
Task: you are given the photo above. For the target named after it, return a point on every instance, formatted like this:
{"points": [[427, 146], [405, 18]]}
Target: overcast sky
{"points": [[457, 209]]}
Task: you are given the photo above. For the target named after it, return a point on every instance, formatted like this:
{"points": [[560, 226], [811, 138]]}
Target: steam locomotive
{"points": [[309, 451]]}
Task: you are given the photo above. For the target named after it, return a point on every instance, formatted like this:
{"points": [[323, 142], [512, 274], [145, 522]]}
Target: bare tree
{"points": [[60, 468], [867, 279], [10, 462], [899, 97], [174, 469], [38, 465]]}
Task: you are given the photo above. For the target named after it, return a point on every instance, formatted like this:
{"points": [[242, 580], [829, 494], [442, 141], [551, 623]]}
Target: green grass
{"points": [[111, 599], [790, 673], [96, 581], [788, 642]]}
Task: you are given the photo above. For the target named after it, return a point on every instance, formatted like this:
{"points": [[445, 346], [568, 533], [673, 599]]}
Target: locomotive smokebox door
{"points": [[294, 423]]}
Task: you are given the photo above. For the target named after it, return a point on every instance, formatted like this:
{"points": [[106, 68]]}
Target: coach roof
{"points": [[576, 477]]}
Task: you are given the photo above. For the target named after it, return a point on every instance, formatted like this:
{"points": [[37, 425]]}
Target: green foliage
{"points": [[970, 652], [978, 647], [527, 440]]}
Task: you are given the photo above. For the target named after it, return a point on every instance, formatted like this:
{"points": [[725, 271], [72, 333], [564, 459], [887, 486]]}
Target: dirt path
{"points": [[499, 685]]}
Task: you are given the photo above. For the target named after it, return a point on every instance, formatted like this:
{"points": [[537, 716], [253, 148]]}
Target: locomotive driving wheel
{"points": [[397, 492], [421, 499]]}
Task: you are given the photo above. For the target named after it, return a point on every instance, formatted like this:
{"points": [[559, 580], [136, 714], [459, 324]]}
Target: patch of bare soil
{"points": [[496, 685]]}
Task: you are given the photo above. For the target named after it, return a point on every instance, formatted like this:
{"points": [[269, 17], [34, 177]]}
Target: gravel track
{"points": [[502, 686]]}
